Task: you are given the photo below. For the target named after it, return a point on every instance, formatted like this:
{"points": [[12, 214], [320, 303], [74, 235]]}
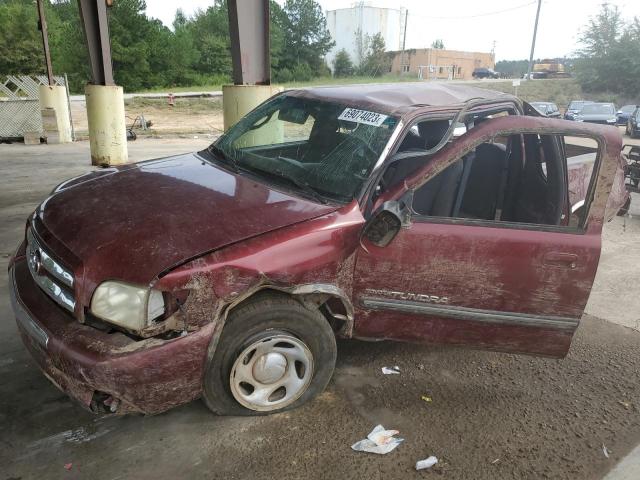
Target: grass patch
{"points": [[183, 105], [329, 81], [321, 81], [558, 91]]}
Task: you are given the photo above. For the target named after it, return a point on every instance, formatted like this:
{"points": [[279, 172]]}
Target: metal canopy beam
{"points": [[93, 14], [249, 32], [42, 23]]}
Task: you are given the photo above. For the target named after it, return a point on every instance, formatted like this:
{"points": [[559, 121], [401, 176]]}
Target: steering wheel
{"points": [[363, 154]]}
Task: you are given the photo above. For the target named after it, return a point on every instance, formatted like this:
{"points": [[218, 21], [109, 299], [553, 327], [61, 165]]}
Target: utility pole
{"points": [[533, 42], [404, 38], [42, 24]]}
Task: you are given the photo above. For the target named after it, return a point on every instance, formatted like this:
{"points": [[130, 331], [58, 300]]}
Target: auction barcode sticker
{"points": [[362, 116]]}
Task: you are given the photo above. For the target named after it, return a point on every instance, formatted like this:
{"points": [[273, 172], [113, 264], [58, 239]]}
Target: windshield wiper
{"points": [[304, 186], [218, 152], [300, 185]]}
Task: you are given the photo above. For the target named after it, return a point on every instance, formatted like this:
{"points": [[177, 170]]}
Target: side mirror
{"points": [[385, 224]]}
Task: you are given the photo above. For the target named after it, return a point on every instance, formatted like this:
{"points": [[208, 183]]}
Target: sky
{"points": [[469, 24]]}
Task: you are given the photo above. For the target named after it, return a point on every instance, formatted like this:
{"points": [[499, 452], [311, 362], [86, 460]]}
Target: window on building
{"points": [[405, 68], [459, 70], [441, 70]]}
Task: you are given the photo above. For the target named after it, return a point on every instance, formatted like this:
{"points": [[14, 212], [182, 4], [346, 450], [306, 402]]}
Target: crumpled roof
{"points": [[400, 97]]}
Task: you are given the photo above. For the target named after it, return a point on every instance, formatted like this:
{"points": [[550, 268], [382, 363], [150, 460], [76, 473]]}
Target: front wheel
{"points": [[274, 354]]}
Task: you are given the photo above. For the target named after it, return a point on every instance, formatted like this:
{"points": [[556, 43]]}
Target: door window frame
{"points": [[580, 229], [390, 153]]}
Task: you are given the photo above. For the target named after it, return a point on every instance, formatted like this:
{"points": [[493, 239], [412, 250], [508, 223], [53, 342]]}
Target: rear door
{"points": [[494, 283]]}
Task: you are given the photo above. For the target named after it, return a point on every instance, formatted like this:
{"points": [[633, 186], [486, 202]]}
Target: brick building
{"points": [[436, 64]]}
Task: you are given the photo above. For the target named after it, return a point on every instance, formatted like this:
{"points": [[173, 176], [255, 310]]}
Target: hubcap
{"points": [[271, 373], [270, 367]]}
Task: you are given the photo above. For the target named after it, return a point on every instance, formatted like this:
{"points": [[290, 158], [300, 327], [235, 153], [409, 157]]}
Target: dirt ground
{"points": [[187, 116], [492, 416]]}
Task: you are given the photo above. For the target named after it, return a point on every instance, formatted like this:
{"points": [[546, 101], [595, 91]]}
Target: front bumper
{"points": [[148, 376]]}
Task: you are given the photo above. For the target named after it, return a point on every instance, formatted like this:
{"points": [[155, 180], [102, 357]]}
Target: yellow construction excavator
{"points": [[550, 69]]}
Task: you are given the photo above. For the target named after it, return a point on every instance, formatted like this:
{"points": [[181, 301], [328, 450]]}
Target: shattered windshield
{"points": [[323, 149]]}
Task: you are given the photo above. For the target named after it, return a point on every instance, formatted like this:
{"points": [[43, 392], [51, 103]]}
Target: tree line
{"points": [[146, 54], [609, 59]]}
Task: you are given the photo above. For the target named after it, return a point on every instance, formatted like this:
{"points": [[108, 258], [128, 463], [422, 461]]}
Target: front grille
{"points": [[53, 278]]}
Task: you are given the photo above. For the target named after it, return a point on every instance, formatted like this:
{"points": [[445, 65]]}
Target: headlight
{"points": [[611, 120], [126, 305]]}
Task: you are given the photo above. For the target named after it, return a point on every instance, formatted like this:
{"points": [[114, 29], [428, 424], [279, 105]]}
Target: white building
{"points": [[345, 24]]}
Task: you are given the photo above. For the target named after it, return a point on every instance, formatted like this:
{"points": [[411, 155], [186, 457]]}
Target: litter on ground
{"points": [[391, 370], [379, 441], [426, 463]]}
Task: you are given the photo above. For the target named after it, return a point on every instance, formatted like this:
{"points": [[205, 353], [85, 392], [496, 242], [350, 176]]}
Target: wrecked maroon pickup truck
{"points": [[422, 213]]}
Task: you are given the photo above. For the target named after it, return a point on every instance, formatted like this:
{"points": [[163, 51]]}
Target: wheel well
{"points": [[332, 303]]}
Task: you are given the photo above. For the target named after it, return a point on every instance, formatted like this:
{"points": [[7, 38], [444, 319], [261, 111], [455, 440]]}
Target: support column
{"points": [[238, 100], [107, 131], [105, 100], [55, 98], [249, 32]]}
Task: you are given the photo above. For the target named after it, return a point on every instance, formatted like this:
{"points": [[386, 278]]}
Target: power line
{"points": [[497, 12]]}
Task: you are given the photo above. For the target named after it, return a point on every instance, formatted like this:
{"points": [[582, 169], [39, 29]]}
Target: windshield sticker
{"points": [[362, 116]]}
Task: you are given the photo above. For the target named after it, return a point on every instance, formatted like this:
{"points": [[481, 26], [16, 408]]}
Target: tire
{"points": [[271, 326]]}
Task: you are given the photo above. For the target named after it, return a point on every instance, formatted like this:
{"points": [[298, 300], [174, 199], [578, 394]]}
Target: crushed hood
{"points": [[135, 222]]}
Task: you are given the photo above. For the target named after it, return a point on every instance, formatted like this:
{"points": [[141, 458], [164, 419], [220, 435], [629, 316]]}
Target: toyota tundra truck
{"points": [[429, 213]]}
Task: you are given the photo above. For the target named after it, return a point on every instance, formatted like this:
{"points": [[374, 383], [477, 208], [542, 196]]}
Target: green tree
{"points": [[609, 59], [20, 41], [130, 50], [342, 65], [210, 33], [377, 61], [147, 54], [306, 37], [67, 44], [438, 44], [277, 27]]}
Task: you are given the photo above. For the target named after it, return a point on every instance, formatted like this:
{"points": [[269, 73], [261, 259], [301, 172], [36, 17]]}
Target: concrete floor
{"points": [[492, 415]]}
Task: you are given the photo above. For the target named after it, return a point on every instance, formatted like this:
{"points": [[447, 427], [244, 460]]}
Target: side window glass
{"points": [[529, 179], [581, 157], [424, 135], [420, 138]]}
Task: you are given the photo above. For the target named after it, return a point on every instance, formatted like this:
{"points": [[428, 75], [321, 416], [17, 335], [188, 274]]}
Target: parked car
{"points": [[624, 114], [574, 108], [633, 124], [351, 212], [603, 113], [479, 73], [547, 108]]}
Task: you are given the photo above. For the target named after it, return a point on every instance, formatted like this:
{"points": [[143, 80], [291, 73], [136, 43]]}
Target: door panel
{"points": [[499, 288], [488, 284]]}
